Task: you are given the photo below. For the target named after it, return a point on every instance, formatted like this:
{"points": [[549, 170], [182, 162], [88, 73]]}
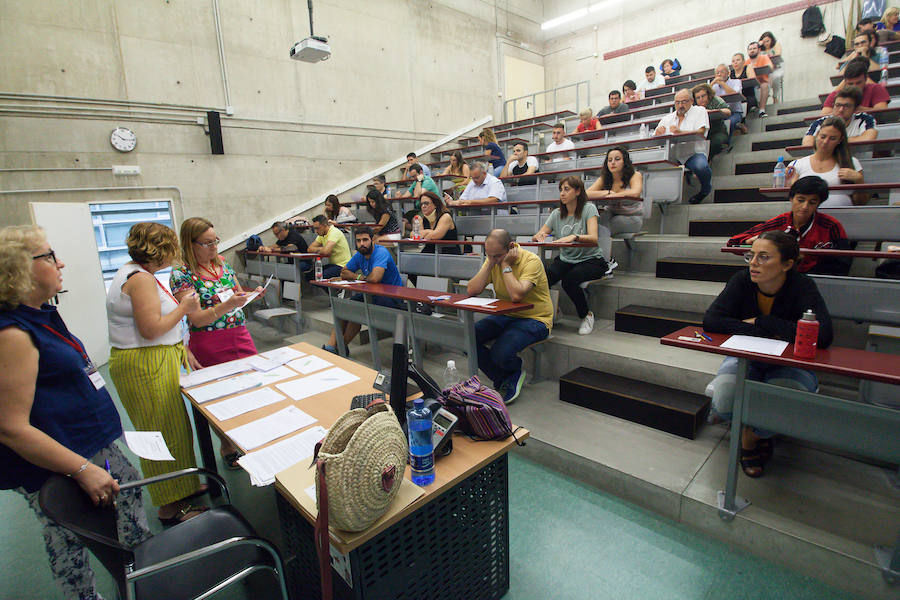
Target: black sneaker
{"points": [[697, 198], [762, 114]]}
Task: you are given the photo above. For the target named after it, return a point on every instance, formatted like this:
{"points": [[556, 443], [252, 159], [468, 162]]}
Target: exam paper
{"points": [[263, 464], [226, 387], [258, 363], [750, 343], [309, 364], [323, 381], [252, 295], [275, 375], [282, 355], [148, 444], [262, 431], [201, 376], [228, 409], [476, 302]]}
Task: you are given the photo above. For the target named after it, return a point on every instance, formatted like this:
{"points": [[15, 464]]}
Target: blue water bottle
{"points": [[421, 452]]}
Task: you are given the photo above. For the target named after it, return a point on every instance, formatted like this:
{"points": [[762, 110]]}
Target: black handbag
{"points": [[836, 46]]}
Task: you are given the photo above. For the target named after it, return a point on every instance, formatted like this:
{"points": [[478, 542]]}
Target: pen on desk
{"points": [[703, 335], [107, 465]]}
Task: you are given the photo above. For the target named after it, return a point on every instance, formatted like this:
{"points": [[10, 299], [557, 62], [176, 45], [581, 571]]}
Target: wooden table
{"points": [[456, 333], [473, 479], [857, 427]]}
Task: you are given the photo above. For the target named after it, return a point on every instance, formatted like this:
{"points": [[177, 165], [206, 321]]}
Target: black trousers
{"points": [[573, 274]]}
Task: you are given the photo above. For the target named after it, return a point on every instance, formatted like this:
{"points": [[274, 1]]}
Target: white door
{"points": [[83, 306]]}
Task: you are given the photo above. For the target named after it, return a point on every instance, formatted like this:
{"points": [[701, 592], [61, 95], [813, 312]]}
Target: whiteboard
{"points": [[83, 307]]}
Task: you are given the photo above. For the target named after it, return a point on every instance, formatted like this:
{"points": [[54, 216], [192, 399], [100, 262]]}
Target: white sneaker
{"points": [[587, 324]]}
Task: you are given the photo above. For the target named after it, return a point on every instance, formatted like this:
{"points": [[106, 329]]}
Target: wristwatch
{"points": [[507, 269]]}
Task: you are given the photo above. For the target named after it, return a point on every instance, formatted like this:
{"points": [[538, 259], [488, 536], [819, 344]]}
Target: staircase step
{"points": [[719, 228], [672, 411], [797, 123], [654, 322], [750, 194], [753, 168], [700, 269], [777, 144], [812, 105]]}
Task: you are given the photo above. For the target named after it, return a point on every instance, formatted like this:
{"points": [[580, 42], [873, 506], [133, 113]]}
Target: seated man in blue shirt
{"points": [[375, 265]]}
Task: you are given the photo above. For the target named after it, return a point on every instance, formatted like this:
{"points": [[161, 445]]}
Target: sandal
{"points": [[765, 447], [751, 462], [231, 461], [182, 515]]}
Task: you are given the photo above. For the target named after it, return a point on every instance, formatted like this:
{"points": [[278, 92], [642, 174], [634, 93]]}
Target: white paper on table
{"points": [[311, 492], [750, 343], [211, 391], [263, 464], [309, 364], [282, 355], [148, 444], [228, 409], [258, 363], [476, 302], [349, 281], [275, 375], [262, 431], [201, 376], [323, 381]]}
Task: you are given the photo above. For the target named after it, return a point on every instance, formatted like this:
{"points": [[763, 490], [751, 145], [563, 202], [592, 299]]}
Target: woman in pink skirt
{"points": [[217, 332]]}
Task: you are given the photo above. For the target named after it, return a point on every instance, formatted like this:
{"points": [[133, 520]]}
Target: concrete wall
{"points": [[403, 73]]}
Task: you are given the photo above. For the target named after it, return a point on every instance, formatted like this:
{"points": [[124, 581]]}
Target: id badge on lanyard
{"points": [[89, 369]]}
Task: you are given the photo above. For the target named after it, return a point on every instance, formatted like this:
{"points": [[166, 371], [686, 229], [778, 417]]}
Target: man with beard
{"points": [[693, 154], [374, 265], [757, 60]]}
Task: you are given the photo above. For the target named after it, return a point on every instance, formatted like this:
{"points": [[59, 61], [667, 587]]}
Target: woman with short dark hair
{"points": [[387, 227]]}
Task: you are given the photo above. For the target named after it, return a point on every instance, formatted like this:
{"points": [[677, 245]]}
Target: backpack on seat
{"points": [[813, 24]]}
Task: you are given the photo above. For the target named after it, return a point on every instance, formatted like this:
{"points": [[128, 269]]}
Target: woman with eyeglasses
{"points": [[766, 300], [217, 330], [56, 414], [145, 361]]}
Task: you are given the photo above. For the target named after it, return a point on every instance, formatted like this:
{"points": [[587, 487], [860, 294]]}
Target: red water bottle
{"points": [[807, 336]]}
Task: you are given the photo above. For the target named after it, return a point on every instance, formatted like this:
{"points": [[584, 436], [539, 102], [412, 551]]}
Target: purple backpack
{"points": [[480, 410]]}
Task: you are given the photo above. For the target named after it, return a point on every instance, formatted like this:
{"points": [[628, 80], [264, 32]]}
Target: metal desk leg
{"points": [[338, 329], [373, 335], [207, 454], [889, 561], [468, 320], [729, 505], [414, 339]]}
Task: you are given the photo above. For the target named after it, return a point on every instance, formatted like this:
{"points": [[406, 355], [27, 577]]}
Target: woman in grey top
{"points": [[618, 180], [576, 220]]}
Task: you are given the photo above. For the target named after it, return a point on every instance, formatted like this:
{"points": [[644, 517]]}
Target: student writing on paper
{"points": [[217, 331], [373, 264], [56, 415], [766, 300], [145, 361]]}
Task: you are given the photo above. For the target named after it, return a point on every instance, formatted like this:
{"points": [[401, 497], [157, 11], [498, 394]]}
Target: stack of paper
{"points": [[476, 302], [219, 389], [322, 381], [750, 343], [262, 431], [262, 465], [201, 376], [228, 409]]}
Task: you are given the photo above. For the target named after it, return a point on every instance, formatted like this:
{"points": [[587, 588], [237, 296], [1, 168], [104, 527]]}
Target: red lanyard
{"points": [[163, 288], [70, 342], [215, 274]]}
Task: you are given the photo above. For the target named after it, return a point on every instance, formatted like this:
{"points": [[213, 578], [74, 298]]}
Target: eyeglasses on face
{"points": [[844, 105], [682, 102], [762, 258], [211, 244], [50, 256]]}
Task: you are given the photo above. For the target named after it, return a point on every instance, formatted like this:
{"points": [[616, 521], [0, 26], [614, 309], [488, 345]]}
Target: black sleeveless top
{"points": [[445, 248]]}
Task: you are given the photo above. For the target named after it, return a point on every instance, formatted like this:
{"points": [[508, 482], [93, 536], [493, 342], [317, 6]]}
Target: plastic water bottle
{"points": [[779, 173], [417, 227], [883, 61], [318, 269], [421, 452], [644, 131], [807, 337], [451, 375]]}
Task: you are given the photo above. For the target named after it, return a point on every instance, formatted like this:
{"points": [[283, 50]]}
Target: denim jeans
{"points": [[328, 271], [790, 377], [495, 171], [698, 164], [501, 362], [733, 121]]}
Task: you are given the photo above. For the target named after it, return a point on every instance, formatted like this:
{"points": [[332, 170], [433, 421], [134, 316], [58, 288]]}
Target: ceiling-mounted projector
{"points": [[313, 49]]}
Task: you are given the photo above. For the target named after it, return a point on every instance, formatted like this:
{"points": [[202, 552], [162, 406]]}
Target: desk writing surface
{"points": [[860, 364]]}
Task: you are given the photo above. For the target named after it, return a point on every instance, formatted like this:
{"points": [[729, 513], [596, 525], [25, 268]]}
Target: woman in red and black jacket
{"points": [[811, 228]]}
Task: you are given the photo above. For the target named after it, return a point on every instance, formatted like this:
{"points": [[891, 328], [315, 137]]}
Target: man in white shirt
{"points": [[688, 118], [723, 85], [560, 142], [483, 188], [651, 82], [521, 164]]}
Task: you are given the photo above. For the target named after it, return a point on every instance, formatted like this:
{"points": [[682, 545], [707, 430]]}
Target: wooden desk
{"points": [[883, 116], [882, 145], [857, 427], [456, 333], [740, 250], [844, 187]]}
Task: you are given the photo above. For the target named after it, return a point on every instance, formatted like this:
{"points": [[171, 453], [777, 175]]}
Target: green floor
{"points": [[567, 540]]}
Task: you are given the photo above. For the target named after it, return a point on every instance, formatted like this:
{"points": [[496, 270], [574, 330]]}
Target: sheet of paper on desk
{"points": [[263, 464], [349, 281], [476, 302], [282, 355], [201, 376], [228, 409], [309, 364], [148, 444], [226, 387], [760, 345], [323, 381], [262, 431], [275, 375]]}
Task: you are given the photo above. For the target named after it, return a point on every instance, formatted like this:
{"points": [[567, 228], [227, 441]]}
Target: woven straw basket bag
{"points": [[362, 461]]}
